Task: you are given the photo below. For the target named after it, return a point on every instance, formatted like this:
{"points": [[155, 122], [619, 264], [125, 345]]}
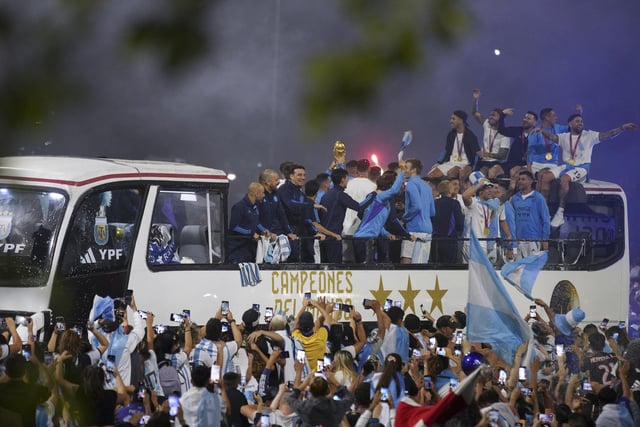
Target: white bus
{"points": [[71, 228]]}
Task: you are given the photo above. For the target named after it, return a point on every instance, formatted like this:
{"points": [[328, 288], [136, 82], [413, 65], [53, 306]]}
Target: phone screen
{"points": [[441, 351], [307, 295], [320, 365], [366, 303], [175, 317], [432, 342], [559, 349], [60, 323], [256, 307], [301, 356], [502, 377], [186, 313], [384, 394], [459, 337], [387, 304], [268, 312], [586, 385], [604, 323], [174, 403], [327, 359], [621, 324], [141, 391], [494, 415], [128, 294], [111, 363], [48, 358], [265, 421], [453, 383], [26, 351], [143, 314], [224, 307], [522, 373], [397, 304], [533, 311], [427, 382], [215, 373]]}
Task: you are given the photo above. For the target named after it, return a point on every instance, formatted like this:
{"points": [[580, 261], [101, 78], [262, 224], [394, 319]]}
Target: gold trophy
{"points": [[339, 153]]}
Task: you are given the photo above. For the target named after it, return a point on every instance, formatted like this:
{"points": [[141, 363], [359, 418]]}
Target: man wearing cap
{"points": [[577, 146], [312, 334], [459, 155], [447, 326], [482, 209]]}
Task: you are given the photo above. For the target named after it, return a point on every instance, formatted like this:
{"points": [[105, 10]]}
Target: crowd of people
{"points": [[305, 368], [360, 213]]}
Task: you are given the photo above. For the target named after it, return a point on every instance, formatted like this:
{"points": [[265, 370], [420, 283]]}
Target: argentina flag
{"points": [[491, 314], [522, 273]]}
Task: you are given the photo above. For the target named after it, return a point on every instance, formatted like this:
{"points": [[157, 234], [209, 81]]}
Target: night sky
{"points": [[238, 108]]}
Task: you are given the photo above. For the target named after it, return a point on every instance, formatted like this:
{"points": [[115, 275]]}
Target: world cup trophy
{"points": [[339, 153]]}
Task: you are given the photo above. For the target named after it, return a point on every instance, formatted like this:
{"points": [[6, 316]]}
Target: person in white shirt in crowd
{"points": [[207, 350], [201, 404]]}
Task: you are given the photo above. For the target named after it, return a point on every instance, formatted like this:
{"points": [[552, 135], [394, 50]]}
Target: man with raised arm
{"points": [[460, 151], [524, 140], [495, 146], [577, 146]]}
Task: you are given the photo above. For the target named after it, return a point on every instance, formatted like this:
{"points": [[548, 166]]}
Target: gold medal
{"points": [[571, 161], [458, 159], [548, 156], [486, 231]]}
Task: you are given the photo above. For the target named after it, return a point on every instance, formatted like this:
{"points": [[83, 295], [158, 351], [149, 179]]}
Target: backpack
{"points": [[365, 203], [169, 378]]}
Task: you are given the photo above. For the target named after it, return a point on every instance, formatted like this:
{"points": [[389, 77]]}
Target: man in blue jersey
{"points": [[418, 210], [336, 202], [532, 217], [376, 214]]}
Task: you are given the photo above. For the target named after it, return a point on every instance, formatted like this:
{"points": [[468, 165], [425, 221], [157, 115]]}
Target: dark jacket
{"points": [[469, 144], [321, 411]]}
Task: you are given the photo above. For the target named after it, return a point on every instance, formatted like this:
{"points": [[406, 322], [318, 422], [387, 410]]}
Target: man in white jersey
{"points": [[577, 145], [495, 146]]}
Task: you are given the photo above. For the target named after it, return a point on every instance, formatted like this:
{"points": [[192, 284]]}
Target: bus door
{"points": [[97, 251]]}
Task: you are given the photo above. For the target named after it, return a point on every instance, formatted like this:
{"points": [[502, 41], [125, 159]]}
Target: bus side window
{"points": [[195, 216], [100, 236]]}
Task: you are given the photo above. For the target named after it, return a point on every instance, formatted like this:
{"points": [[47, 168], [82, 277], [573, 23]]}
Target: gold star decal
{"points": [[436, 295], [381, 294], [409, 296]]}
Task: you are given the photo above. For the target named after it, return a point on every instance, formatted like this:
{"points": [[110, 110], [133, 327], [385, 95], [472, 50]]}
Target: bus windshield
{"points": [[29, 223]]}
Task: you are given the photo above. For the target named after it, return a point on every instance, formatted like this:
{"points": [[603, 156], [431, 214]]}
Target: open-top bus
{"points": [[71, 228]]}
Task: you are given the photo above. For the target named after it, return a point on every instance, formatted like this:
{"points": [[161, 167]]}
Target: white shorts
{"points": [[556, 170], [447, 166], [417, 251], [527, 248], [577, 174]]}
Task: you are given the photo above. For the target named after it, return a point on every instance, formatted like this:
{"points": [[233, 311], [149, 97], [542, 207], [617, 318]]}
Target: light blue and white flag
{"points": [[406, 140], [491, 314], [522, 273]]}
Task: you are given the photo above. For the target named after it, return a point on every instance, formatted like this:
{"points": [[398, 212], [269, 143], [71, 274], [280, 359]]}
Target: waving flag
{"points": [[491, 314], [406, 140], [410, 414], [522, 273]]}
